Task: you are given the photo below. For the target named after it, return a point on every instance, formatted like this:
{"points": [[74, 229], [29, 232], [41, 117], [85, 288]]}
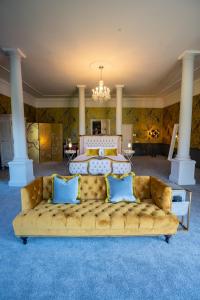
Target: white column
{"points": [[185, 114], [81, 109], [21, 168], [119, 88], [182, 167]]}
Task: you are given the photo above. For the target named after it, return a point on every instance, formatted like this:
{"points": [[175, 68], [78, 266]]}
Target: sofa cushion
{"points": [[65, 191], [94, 187], [120, 188], [95, 217], [91, 187]]}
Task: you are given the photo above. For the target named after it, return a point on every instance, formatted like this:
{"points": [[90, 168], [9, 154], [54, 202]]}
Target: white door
{"points": [[105, 126], [127, 135]]}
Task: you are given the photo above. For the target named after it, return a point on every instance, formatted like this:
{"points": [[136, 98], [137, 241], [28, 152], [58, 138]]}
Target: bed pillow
{"points": [[110, 151], [92, 152], [120, 188], [65, 190]]}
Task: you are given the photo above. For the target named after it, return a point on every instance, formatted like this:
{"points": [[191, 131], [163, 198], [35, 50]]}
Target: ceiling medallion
{"points": [[101, 93]]}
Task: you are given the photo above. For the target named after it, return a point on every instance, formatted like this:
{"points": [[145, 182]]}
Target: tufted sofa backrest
{"points": [[94, 187]]}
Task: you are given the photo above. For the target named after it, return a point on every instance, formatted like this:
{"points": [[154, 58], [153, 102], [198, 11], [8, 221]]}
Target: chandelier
{"points": [[101, 93]]}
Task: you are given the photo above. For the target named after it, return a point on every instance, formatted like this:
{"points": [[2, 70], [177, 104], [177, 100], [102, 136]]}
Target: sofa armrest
{"points": [[31, 194], [161, 194]]}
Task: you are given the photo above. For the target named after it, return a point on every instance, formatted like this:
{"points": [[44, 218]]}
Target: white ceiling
{"points": [[139, 40]]}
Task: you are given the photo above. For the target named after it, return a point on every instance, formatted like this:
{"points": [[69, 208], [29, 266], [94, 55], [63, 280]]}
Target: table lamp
{"points": [[129, 145]]}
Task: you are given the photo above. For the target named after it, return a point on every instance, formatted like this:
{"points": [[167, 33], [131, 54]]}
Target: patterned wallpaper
{"points": [[195, 137], [67, 116], [171, 116], [143, 119], [5, 108]]}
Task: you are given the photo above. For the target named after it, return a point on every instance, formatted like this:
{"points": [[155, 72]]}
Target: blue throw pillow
{"points": [[120, 189], [65, 190]]}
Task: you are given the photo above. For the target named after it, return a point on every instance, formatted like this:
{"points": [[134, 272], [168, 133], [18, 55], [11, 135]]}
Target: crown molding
{"points": [[74, 102], [5, 90], [174, 96]]}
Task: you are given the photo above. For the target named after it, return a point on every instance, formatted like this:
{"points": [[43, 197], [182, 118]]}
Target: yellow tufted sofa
{"points": [[93, 216]]}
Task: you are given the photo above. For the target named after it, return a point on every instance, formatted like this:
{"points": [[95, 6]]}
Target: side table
{"points": [[128, 153], [69, 154], [181, 206]]}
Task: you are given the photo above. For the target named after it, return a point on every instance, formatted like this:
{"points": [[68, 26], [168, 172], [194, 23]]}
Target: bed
{"points": [[100, 164]]}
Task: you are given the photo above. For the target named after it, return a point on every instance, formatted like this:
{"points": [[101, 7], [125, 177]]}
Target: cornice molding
{"points": [[174, 97], [5, 90], [73, 102], [139, 101]]}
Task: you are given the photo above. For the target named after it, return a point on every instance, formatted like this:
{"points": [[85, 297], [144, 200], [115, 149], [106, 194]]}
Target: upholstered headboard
{"points": [[107, 141]]}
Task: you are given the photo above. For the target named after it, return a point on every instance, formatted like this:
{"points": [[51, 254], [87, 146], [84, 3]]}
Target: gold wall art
{"points": [[45, 141]]}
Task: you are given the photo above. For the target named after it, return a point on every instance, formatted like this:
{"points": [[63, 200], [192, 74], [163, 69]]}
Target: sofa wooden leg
{"points": [[24, 240], [167, 238]]}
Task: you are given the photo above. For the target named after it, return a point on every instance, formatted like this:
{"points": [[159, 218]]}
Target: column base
{"points": [[182, 171], [21, 172]]}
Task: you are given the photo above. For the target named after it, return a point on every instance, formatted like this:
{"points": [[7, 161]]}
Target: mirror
{"points": [[99, 127]]}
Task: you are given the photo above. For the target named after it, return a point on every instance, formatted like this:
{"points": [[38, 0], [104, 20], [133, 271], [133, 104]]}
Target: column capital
{"points": [[118, 86], [81, 86], [14, 51], [188, 54]]}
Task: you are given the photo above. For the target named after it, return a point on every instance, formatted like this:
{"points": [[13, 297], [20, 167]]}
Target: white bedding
{"points": [[94, 165], [83, 157]]}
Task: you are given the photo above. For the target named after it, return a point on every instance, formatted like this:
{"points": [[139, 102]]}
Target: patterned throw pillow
{"points": [[65, 190], [120, 188]]}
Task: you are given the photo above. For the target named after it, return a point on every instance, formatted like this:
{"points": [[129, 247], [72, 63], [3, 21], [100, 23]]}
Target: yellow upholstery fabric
{"points": [[31, 195], [91, 152], [94, 216], [142, 187], [92, 187], [110, 151], [161, 194]]}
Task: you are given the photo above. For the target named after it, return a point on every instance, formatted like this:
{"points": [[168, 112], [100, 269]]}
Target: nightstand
{"points": [[70, 154], [128, 153], [181, 205]]}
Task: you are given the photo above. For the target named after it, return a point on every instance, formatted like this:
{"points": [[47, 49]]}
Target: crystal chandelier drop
{"points": [[101, 93]]}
